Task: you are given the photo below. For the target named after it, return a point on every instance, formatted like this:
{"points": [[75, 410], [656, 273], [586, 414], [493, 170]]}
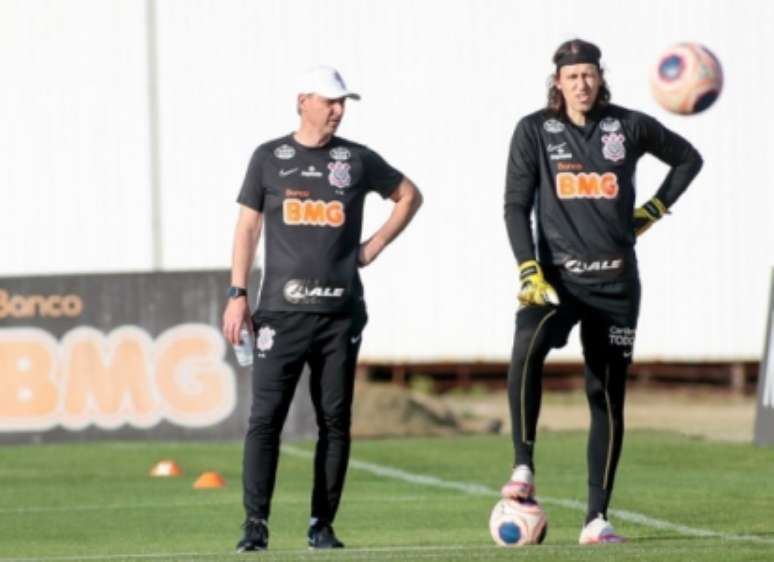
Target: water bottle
{"points": [[244, 349]]}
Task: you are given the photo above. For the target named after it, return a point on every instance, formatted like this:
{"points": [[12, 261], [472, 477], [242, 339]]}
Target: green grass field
{"points": [[707, 501]]}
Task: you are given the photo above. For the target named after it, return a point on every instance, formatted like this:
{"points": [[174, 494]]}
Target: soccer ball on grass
{"points": [[518, 522]]}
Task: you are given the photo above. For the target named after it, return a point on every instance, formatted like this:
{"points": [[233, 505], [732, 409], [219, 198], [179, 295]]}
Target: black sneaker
{"points": [[256, 535], [322, 536]]}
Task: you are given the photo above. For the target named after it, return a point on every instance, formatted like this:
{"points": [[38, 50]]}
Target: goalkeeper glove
{"points": [[534, 288], [648, 214]]}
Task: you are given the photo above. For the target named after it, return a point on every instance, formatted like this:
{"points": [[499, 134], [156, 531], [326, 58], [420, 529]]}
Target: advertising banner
{"points": [[135, 356]]}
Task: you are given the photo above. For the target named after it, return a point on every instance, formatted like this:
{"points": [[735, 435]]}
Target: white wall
{"points": [[74, 137], [443, 85]]}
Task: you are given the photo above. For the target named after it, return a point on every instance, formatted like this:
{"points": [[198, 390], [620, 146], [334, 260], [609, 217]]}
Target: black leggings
{"points": [[608, 319]]}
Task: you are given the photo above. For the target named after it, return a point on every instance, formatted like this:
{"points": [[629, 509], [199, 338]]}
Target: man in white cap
{"points": [[306, 190]]}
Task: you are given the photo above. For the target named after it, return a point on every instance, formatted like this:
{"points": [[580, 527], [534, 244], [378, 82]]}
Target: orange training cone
{"points": [[209, 480], [166, 468]]}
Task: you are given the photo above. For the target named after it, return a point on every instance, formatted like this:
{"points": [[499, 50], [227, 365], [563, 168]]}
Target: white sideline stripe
{"points": [[480, 490]]}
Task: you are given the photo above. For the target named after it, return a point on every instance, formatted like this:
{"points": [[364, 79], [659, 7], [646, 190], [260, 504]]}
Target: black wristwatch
{"points": [[236, 292]]}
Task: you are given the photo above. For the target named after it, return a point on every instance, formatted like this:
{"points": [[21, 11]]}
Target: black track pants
{"points": [[329, 343]]}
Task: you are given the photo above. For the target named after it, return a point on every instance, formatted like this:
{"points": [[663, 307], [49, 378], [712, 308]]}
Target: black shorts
{"points": [[607, 312]]}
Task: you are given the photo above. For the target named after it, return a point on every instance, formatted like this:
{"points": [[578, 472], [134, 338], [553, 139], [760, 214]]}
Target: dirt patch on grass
{"points": [[719, 416], [385, 409]]}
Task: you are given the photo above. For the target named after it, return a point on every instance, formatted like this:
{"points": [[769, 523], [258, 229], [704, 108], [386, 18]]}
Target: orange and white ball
{"points": [[687, 79], [518, 522]]}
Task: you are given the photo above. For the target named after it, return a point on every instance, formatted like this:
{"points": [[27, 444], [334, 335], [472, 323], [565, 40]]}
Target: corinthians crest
{"points": [[265, 340], [613, 147], [339, 176]]}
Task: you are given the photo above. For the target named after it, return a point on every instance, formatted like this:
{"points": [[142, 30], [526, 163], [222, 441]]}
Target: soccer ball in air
{"points": [[687, 79], [518, 522]]}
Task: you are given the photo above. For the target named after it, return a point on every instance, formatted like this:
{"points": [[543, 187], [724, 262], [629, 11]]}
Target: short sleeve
{"points": [[379, 175], [252, 192]]}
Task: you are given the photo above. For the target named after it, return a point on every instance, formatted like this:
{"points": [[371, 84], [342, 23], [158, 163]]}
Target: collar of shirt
{"points": [[592, 120]]}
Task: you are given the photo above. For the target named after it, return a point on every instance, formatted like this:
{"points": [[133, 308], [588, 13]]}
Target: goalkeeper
{"points": [[573, 163]]}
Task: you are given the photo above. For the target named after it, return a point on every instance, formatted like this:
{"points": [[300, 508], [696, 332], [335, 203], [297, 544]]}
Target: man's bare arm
{"points": [[407, 200], [246, 236]]}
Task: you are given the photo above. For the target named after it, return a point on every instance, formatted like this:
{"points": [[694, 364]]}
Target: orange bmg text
{"points": [[110, 380]]}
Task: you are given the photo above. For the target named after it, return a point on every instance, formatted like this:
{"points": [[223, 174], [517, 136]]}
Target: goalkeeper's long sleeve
{"points": [[672, 149], [521, 185]]}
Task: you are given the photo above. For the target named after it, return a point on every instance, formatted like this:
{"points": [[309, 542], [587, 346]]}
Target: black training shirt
{"points": [[312, 204], [580, 182]]}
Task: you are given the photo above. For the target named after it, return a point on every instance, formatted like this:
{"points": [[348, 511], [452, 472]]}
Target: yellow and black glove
{"points": [[648, 214], [534, 288]]}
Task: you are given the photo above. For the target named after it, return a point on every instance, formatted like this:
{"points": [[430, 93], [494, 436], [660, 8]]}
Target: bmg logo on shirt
{"points": [[312, 212], [586, 186]]}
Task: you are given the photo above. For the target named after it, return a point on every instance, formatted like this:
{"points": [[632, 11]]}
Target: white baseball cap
{"points": [[325, 81]]}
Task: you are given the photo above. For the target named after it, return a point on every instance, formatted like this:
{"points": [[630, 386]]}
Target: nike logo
{"points": [[284, 173], [627, 354], [355, 339], [559, 147]]}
